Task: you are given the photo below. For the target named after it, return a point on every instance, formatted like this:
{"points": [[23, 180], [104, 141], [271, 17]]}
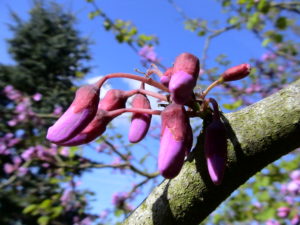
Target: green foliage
{"points": [[49, 53]]}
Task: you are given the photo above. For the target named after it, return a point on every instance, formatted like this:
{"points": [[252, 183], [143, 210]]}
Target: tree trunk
{"points": [[257, 135]]}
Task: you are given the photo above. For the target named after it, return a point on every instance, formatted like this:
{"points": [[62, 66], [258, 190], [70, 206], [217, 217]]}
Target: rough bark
{"points": [[257, 135]]}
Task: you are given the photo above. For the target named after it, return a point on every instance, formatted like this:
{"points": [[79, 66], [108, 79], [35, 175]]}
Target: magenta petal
{"points": [[181, 86], [69, 124], [215, 148], [215, 165], [139, 127], [165, 80], [82, 138], [171, 155]]}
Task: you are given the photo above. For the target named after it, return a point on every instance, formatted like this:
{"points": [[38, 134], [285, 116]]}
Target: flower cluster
{"points": [[22, 111], [87, 117]]}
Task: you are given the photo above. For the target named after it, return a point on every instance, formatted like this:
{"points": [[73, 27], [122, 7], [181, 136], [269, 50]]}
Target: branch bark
{"points": [[257, 135]]}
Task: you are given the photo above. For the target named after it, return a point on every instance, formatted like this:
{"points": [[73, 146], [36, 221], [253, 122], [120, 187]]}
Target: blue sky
{"points": [[151, 17]]}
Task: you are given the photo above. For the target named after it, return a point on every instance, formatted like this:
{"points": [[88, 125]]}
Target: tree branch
{"points": [[258, 135]]}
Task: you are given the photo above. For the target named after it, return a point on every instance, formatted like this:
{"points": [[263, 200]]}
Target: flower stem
{"points": [[217, 82], [118, 112], [146, 92], [134, 77]]}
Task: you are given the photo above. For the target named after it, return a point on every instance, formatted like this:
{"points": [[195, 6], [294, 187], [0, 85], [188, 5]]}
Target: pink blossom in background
{"points": [[66, 196], [293, 187], [202, 71], [253, 88], [12, 123], [28, 153], [65, 151], [257, 205], [295, 175], [147, 53], [11, 93], [104, 214], [57, 110], [116, 161], [272, 222], [283, 212], [22, 171], [9, 168], [17, 160], [296, 220], [119, 198], [289, 200], [46, 165], [268, 56], [85, 221], [37, 97]]}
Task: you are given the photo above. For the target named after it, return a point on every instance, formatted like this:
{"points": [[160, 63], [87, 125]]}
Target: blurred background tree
{"points": [[49, 54]]}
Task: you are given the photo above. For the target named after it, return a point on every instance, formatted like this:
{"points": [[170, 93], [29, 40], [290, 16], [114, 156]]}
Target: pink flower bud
{"points": [[236, 72], [140, 122], [184, 77], [188, 63], [296, 220], [77, 116], [165, 79], [114, 99], [215, 148], [181, 87], [174, 142], [283, 212]]}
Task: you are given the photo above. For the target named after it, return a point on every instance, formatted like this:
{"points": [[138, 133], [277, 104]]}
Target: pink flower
{"points": [[165, 79], [22, 171], [283, 212], [272, 222], [57, 110], [295, 175], [296, 220], [215, 147], [37, 97], [114, 99], [140, 122], [66, 196], [77, 116], [28, 153], [147, 53], [12, 123], [185, 73], [293, 187], [175, 140], [9, 168], [119, 198], [236, 72]]}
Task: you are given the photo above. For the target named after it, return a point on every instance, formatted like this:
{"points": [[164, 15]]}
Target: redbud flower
{"points": [[296, 220], [114, 99], [295, 175], [184, 77], [236, 72], [215, 147], [174, 141], [283, 212], [165, 79], [140, 122], [78, 115]]}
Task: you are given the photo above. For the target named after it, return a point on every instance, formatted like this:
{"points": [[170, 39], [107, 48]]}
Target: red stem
{"points": [[146, 92], [118, 112], [134, 77]]}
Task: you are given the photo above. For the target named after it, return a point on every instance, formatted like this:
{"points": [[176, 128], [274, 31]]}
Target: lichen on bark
{"points": [[257, 135]]}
